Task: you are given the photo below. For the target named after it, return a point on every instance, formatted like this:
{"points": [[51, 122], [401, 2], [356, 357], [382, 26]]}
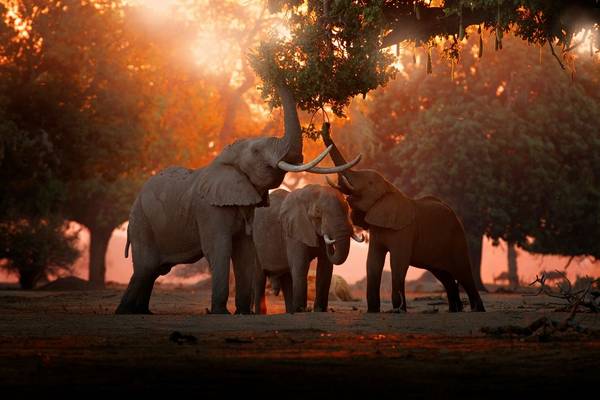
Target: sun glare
{"points": [[584, 42], [211, 52]]}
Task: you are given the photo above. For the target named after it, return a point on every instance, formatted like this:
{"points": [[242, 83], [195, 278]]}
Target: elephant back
{"points": [[267, 234], [166, 197], [438, 222], [166, 202]]}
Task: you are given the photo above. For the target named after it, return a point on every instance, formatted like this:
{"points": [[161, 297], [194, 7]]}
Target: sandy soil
{"points": [[72, 342]]}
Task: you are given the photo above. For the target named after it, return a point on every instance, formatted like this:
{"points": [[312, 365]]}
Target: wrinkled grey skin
{"points": [[182, 215], [424, 233], [288, 235]]}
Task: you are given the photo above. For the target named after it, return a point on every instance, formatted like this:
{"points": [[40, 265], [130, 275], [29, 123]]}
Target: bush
{"points": [[35, 248]]}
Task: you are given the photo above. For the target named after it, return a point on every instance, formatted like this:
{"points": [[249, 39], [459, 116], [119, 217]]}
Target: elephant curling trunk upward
{"points": [[338, 252]]}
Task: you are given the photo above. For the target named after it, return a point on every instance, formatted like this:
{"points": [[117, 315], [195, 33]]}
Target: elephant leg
{"points": [[324, 273], [468, 284], [464, 276], [299, 262], [451, 286], [285, 281], [244, 267], [219, 256], [146, 266], [375, 262], [136, 298], [260, 281], [399, 262]]}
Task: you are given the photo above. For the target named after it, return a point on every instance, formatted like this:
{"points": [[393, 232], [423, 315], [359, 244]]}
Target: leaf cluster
{"points": [[333, 53]]}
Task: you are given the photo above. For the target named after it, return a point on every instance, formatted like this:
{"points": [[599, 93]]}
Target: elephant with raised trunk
{"points": [[182, 215], [297, 227], [424, 233]]}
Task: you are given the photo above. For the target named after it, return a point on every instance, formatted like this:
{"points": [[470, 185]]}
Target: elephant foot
{"points": [[320, 309], [219, 310], [373, 310], [123, 309], [396, 310], [243, 312]]}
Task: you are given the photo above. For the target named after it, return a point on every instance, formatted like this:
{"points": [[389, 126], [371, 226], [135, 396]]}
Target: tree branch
{"points": [[555, 55], [432, 22], [406, 24]]}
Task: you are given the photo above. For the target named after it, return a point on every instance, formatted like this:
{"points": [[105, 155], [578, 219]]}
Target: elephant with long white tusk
{"points": [[182, 215], [308, 223]]}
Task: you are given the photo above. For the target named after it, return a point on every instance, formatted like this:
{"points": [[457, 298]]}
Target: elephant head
{"points": [[245, 170], [318, 211], [374, 200]]}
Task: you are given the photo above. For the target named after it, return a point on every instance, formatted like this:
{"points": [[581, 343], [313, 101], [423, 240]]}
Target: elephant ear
{"points": [[393, 211], [223, 185], [295, 221]]}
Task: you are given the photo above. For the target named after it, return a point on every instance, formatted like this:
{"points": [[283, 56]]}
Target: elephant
{"points": [[182, 215], [297, 227], [425, 233]]}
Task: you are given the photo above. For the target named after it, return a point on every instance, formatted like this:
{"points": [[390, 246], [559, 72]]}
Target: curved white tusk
{"points": [[328, 240], [348, 184], [357, 238], [303, 167], [335, 170]]}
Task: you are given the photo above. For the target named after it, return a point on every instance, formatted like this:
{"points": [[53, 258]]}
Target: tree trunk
{"points": [[513, 277], [232, 99], [475, 243], [99, 238], [232, 102], [28, 278]]}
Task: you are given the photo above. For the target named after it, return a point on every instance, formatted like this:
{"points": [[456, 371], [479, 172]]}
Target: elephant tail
{"points": [[127, 245]]}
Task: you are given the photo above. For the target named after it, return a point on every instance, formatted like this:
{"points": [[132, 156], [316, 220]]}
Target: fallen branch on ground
{"points": [[545, 329], [587, 297]]}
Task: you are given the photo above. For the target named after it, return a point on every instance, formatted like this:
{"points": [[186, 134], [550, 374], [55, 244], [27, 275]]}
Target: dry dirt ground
{"points": [[71, 343]]}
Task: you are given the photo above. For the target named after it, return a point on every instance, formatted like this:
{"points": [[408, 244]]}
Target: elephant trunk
{"points": [[337, 252], [288, 151], [344, 177], [336, 156], [290, 146]]}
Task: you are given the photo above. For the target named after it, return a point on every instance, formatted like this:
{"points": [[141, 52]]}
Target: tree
{"points": [[33, 243], [35, 248], [72, 82], [335, 48], [513, 276], [240, 27], [509, 143]]}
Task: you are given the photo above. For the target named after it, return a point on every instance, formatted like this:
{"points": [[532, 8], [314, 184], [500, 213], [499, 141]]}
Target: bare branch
{"points": [[569, 262], [585, 297], [555, 55]]}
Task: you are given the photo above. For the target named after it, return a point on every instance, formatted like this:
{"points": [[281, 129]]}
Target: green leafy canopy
{"points": [[336, 49], [333, 52]]}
